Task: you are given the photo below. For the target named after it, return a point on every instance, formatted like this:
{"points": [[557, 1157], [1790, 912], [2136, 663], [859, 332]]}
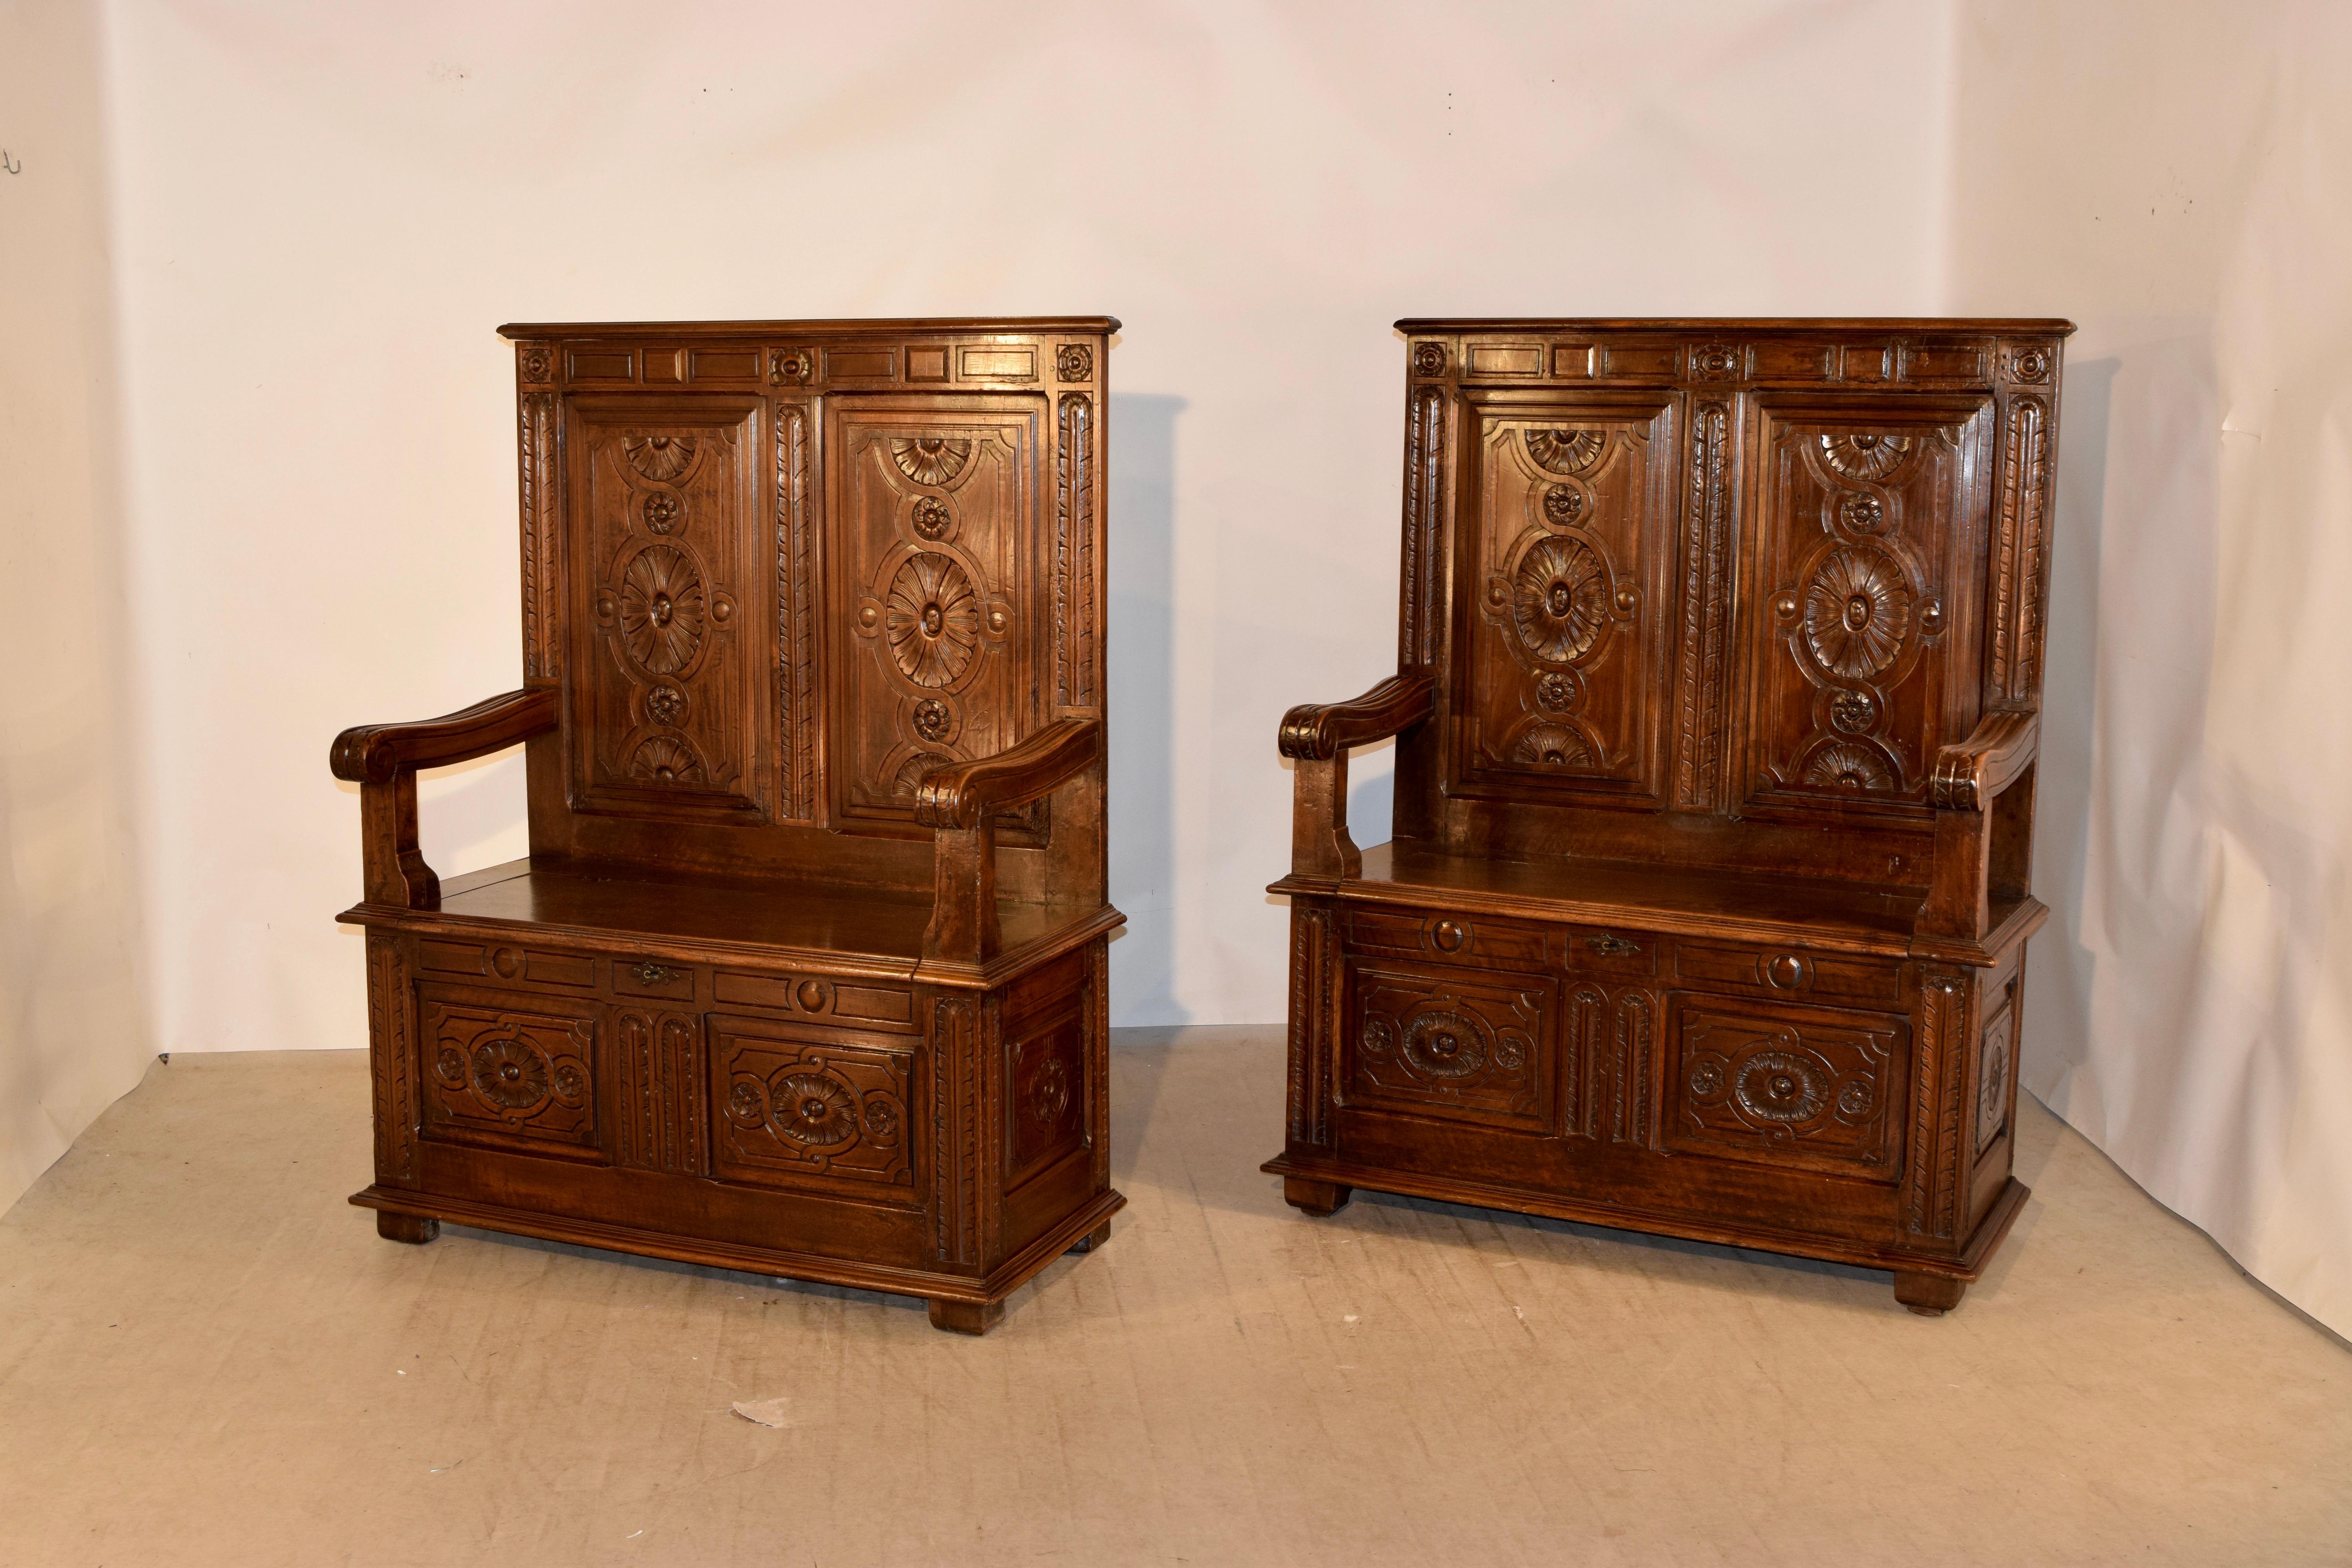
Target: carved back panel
{"points": [[779, 569], [1694, 591]]}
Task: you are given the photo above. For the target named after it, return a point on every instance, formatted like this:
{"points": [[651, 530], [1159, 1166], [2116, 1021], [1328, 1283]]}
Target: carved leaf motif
{"points": [[663, 609], [1864, 456], [931, 620], [659, 458], [1857, 613], [931, 460], [1848, 765], [1553, 746], [1565, 451], [1559, 600], [813, 1108]]}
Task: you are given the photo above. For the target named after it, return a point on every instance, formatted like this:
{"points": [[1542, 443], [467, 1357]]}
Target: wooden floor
{"points": [[207, 1357]]}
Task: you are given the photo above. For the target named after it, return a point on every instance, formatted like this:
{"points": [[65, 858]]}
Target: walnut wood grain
{"points": [[810, 945], [1720, 647]]}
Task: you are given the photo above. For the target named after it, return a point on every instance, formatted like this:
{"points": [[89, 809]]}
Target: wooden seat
{"points": [[1716, 709], [806, 972]]}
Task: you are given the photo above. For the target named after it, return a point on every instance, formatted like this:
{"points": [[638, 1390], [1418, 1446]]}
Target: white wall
{"points": [[329, 209], [73, 1033], [2180, 190]]}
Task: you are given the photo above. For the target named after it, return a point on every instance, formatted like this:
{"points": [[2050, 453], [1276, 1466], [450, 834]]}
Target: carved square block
{"points": [[820, 1112], [1431, 1041], [509, 1076], [1806, 1088]]}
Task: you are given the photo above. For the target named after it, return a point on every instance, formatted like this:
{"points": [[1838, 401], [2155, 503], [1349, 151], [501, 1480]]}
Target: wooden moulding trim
{"points": [[827, 962], [998, 1283], [877, 326], [1964, 1266], [2043, 326]]}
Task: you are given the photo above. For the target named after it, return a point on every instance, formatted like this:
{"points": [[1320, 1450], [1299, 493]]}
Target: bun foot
{"points": [[1092, 1238], [967, 1317], [415, 1229], [1929, 1295], [1318, 1198]]}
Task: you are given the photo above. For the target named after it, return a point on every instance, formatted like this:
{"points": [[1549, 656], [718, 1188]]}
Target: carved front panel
{"points": [[830, 1113], [1567, 540], [1809, 1088], [1861, 598], [508, 1075], [669, 676], [1430, 1040], [937, 535], [658, 1111]]}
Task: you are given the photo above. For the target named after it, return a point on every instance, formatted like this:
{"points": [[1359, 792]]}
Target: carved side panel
{"points": [[1705, 652], [668, 711], [508, 1077], [1859, 580], [797, 676], [1634, 1104], [1585, 1076], [1568, 553], [543, 653], [1418, 636], [1431, 1041], [936, 541], [392, 1057], [828, 1114], [1046, 1106], [659, 1108], [2020, 542], [1807, 1090], [1074, 553]]}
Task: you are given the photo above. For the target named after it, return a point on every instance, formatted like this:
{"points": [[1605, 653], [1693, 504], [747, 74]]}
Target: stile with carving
{"points": [[1719, 669], [805, 972]]}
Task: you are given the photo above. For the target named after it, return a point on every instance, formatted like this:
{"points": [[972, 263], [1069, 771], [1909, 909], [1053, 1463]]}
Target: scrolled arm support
{"points": [[383, 760], [1315, 737], [1982, 790], [961, 802]]}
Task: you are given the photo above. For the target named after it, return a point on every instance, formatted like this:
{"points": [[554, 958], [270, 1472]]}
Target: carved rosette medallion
{"points": [[1861, 514], [1441, 1045], [1429, 359], [929, 516], [663, 511], [1559, 600], [933, 719], [936, 460], [1074, 362], [661, 458], [931, 619], [1782, 1086], [1864, 455], [2029, 365], [790, 367], [1558, 692], [1849, 765], [1857, 612], [1715, 362], [1853, 712], [535, 364], [813, 1109], [1565, 451], [1562, 505], [666, 705], [662, 608]]}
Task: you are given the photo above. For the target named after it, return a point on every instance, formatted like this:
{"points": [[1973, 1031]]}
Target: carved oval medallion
{"points": [[1780, 1086], [1863, 455], [659, 458], [1857, 613], [1442, 1045], [1565, 451], [663, 609], [813, 1108], [509, 1074], [1848, 765], [931, 620], [1559, 600], [931, 460]]}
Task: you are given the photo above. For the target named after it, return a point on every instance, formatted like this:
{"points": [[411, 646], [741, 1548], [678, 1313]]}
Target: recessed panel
{"points": [[812, 1111], [509, 1073], [1796, 1087], [1435, 1041]]}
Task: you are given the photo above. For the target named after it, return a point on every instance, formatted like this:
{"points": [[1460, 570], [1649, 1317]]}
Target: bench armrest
{"points": [[1982, 790], [1314, 730], [383, 760], [1315, 736], [961, 802]]}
